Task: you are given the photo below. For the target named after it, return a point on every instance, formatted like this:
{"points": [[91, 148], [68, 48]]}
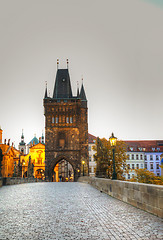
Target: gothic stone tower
{"points": [[66, 127]]}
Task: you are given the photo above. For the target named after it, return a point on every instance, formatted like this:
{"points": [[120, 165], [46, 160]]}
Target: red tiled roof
{"points": [[146, 144], [91, 138]]}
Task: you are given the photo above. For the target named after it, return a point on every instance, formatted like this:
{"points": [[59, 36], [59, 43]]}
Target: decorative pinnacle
{"points": [[67, 62], [57, 63]]}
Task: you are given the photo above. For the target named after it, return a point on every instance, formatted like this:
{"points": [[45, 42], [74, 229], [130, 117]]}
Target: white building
{"points": [[92, 163], [144, 154]]}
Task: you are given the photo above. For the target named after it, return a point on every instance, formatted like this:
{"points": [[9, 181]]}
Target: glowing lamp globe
{"points": [[113, 140]]}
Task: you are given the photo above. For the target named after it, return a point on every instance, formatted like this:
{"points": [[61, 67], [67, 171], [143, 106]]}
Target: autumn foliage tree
{"points": [[145, 176], [104, 158]]}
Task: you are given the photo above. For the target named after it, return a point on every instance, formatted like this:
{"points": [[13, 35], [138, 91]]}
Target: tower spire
{"points": [[57, 64], [82, 92], [78, 89], [46, 94], [67, 63]]}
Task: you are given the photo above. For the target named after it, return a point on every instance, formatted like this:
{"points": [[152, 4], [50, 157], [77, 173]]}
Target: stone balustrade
{"points": [[15, 180], [148, 197]]}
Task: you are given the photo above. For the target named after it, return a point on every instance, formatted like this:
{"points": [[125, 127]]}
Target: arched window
{"points": [[53, 119]]}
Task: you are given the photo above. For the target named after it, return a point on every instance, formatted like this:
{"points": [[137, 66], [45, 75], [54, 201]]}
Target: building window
{"points": [[132, 156], [133, 167], [128, 166], [131, 149], [137, 157], [137, 166], [132, 175], [145, 157], [158, 174], [128, 176], [53, 119], [153, 149], [89, 148], [141, 157], [157, 157], [151, 165], [151, 157], [145, 165], [56, 120], [128, 156], [141, 165], [90, 158], [157, 166], [71, 120], [67, 119], [158, 149]]}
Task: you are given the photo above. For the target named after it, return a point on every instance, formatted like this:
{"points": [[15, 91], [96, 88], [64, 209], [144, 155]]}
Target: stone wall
{"points": [[1, 182], [12, 181], [148, 197]]}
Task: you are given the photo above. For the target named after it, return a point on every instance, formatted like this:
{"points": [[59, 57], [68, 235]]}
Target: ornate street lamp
{"points": [[83, 162], [113, 141]]}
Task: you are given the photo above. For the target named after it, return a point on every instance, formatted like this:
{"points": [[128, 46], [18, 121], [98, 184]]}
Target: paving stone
{"points": [[41, 211]]}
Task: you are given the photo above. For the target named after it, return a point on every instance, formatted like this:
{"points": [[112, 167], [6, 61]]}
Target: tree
{"points": [[145, 176], [104, 158]]}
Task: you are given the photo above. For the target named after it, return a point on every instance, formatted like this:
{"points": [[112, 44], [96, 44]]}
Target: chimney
{"points": [[39, 139], [1, 135]]}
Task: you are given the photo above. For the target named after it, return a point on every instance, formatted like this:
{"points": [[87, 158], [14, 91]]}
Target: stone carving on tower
{"points": [[66, 126]]}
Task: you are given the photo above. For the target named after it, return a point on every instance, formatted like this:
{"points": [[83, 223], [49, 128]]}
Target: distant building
{"points": [[10, 157], [37, 155], [144, 154], [92, 163]]}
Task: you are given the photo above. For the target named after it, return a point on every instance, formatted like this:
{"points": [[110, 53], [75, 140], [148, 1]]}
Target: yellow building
{"points": [[10, 155], [37, 154]]}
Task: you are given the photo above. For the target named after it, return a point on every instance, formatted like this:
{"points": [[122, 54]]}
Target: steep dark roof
{"points": [[82, 93], [46, 93], [62, 88]]}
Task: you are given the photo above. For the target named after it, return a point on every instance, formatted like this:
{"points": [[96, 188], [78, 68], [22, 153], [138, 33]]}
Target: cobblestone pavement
{"points": [[71, 211]]}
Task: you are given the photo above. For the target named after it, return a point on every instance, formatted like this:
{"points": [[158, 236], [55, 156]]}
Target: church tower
{"points": [[22, 144], [66, 127]]}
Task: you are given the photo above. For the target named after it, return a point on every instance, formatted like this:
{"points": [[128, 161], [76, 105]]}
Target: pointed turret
{"points": [[46, 92], [82, 93], [78, 90], [62, 88]]}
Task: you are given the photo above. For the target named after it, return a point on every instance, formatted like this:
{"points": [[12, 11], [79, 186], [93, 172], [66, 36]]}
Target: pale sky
{"points": [[116, 45]]}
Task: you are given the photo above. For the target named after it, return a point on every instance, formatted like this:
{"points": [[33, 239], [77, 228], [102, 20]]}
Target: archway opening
{"points": [[63, 172], [40, 174]]}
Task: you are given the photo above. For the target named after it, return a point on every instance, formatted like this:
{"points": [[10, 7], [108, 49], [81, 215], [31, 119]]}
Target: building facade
{"points": [[66, 127], [144, 154]]}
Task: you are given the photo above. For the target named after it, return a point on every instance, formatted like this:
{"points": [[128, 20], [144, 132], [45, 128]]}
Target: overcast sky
{"points": [[116, 45]]}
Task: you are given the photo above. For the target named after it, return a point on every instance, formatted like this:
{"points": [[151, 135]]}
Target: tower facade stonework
{"points": [[66, 127]]}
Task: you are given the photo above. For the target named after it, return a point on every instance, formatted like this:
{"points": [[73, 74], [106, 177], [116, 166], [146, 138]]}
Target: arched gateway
{"points": [[66, 127]]}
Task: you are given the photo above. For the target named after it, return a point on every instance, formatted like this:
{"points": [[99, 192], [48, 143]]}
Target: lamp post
{"points": [[83, 162], [113, 141]]}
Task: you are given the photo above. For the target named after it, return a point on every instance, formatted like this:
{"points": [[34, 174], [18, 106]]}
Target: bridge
{"points": [[71, 210]]}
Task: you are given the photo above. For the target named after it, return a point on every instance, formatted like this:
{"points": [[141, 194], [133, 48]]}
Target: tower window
{"points": [[67, 119], [56, 120], [53, 119], [71, 120]]}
